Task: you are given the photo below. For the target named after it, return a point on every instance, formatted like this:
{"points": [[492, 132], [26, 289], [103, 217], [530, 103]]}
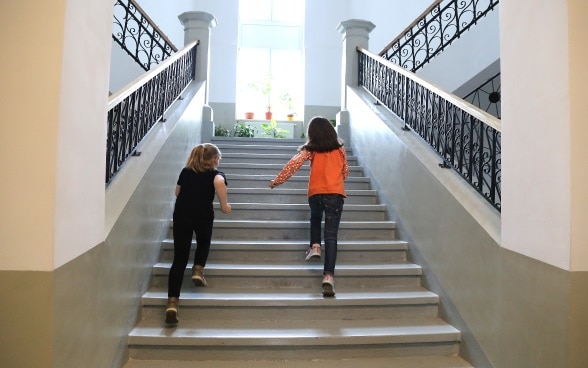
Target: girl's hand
{"points": [[272, 185], [226, 208]]}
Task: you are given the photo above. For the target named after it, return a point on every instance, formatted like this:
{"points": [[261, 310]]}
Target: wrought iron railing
{"points": [[487, 96], [466, 138], [138, 35], [436, 28], [133, 111]]}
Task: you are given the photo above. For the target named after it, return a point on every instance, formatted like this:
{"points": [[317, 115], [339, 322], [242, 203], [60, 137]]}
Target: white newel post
{"points": [[198, 26], [355, 34]]}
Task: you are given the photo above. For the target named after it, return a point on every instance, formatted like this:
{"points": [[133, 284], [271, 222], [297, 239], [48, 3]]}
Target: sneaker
{"points": [[171, 311], [313, 253], [328, 286]]}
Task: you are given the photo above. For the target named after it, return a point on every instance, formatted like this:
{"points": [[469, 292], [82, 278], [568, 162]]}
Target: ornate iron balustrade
{"points": [[466, 138], [487, 96], [133, 112], [442, 23], [138, 35]]}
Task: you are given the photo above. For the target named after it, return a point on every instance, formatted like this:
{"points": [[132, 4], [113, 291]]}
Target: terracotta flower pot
{"points": [[249, 115]]}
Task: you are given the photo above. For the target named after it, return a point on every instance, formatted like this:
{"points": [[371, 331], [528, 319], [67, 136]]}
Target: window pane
{"points": [[255, 9], [270, 63], [288, 11]]}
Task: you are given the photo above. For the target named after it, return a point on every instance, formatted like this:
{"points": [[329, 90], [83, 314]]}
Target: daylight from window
{"points": [[270, 61]]}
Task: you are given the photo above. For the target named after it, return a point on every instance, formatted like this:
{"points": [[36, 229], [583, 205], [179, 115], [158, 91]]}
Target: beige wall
{"points": [[54, 94], [512, 310], [28, 144], [578, 57]]}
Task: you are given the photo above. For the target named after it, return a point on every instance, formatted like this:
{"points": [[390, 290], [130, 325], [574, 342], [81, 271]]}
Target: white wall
{"points": [[460, 63], [536, 179], [323, 42], [79, 197], [390, 17], [124, 70]]}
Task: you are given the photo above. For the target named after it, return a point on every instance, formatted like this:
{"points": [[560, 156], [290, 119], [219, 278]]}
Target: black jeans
{"points": [[183, 232], [332, 206]]}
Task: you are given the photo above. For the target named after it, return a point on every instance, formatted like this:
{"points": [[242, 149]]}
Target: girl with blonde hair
{"points": [[193, 213]]}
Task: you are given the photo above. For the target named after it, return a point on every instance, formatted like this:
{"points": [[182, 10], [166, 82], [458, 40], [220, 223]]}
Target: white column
{"points": [[198, 26], [355, 34]]}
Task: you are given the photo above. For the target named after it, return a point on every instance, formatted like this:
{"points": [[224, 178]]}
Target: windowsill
{"points": [[294, 128]]}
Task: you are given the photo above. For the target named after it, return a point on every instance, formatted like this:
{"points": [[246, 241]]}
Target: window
{"points": [[270, 60]]}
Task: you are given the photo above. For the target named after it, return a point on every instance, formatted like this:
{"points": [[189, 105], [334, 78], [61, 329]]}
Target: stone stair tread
{"points": [[259, 224], [286, 332], [294, 297], [396, 362], [268, 177], [226, 166], [261, 155], [286, 190], [294, 269], [301, 245], [270, 206]]}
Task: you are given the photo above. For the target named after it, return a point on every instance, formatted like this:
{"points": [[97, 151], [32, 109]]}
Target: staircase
{"points": [[263, 306]]}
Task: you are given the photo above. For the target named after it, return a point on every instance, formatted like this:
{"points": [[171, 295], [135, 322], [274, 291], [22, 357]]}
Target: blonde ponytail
{"points": [[203, 157]]}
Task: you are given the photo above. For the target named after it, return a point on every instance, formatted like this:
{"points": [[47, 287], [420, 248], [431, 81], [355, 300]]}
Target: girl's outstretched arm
{"points": [[345, 170], [221, 192], [290, 168]]}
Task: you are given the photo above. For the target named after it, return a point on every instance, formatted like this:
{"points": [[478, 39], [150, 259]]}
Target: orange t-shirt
{"points": [[328, 170]]}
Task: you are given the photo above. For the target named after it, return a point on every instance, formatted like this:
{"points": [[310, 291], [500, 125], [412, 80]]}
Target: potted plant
{"points": [[272, 130], [288, 104], [265, 88]]}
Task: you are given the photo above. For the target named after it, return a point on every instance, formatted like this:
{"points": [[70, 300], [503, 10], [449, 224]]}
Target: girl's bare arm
{"points": [[221, 192]]}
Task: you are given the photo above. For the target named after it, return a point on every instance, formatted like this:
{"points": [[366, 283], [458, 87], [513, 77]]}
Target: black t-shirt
{"points": [[196, 194]]}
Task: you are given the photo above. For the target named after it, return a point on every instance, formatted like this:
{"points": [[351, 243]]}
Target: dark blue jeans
{"points": [[184, 230], [332, 206]]}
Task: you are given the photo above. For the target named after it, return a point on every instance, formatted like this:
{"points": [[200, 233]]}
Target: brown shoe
{"points": [[198, 276], [171, 311]]}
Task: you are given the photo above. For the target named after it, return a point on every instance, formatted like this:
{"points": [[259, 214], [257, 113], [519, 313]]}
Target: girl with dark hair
{"points": [[326, 191], [193, 213]]}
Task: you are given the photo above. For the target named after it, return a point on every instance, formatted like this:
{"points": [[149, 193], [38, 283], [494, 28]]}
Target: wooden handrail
{"points": [[474, 111], [152, 23], [137, 83]]}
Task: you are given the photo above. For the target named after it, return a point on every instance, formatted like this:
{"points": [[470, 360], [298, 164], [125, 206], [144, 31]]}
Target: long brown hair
{"points": [[321, 136], [203, 157]]}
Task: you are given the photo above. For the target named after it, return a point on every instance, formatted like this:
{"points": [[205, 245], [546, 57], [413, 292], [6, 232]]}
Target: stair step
{"points": [[300, 211], [264, 157], [298, 276], [295, 182], [264, 251], [395, 362], [285, 194], [252, 229], [269, 169], [209, 339], [263, 305], [294, 304]]}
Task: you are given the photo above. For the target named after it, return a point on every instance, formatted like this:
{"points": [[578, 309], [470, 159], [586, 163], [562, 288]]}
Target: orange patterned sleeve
{"points": [[292, 166], [345, 165]]}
